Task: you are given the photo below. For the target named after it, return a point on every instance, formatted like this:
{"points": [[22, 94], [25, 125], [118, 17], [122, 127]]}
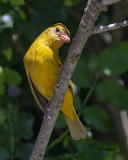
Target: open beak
{"points": [[64, 38]]}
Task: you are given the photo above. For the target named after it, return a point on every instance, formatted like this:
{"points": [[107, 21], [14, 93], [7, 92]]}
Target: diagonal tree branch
{"points": [[110, 27], [85, 30]]}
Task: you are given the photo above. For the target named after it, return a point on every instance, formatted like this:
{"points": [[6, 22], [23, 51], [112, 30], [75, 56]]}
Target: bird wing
{"points": [[41, 100]]}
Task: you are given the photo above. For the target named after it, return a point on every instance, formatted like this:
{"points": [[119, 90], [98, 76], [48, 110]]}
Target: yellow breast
{"points": [[44, 69]]}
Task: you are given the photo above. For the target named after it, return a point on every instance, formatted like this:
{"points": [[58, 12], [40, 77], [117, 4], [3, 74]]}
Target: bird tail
{"points": [[76, 128]]}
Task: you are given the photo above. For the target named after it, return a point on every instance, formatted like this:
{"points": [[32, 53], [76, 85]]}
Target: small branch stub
{"points": [[109, 2], [110, 27]]}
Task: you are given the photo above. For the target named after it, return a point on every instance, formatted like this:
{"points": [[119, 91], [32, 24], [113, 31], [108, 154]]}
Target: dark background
{"points": [[100, 83]]}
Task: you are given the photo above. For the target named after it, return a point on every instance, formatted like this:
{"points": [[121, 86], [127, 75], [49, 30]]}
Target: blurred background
{"points": [[100, 83]]}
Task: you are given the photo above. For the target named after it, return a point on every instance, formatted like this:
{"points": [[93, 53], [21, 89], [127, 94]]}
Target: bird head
{"points": [[61, 33], [56, 35]]}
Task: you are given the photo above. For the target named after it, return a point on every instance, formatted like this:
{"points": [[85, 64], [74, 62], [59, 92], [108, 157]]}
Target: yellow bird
{"points": [[42, 65]]}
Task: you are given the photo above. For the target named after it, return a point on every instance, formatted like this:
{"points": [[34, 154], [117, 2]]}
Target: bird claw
{"points": [[46, 113]]}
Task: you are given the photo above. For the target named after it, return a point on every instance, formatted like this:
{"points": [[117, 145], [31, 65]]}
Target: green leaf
{"points": [[112, 92], [24, 123], [91, 62], [82, 76], [97, 118], [60, 123], [66, 141], [96, 150], [1, 75], [12, 77], [2, 89], [4, 155], [111, 146], [77, 102], [23, 151], [22, 14], [71, 3], [17, 2], [8, 53], [83, 156], [112, 156], [5, 136], [4, 1], [114, 60], [87, 145]]}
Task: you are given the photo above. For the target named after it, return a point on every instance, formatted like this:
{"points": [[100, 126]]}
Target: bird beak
{"points": [[64, 38]]}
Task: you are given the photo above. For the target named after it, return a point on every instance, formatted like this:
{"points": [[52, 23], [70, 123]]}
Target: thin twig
{"points": [[110, 27], [109, 2]]}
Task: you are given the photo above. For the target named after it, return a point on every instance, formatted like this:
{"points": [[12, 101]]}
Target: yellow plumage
{"points": [[42, 66]]}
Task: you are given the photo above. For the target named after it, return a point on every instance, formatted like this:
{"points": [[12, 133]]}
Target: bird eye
{"points": [[57, 30]]}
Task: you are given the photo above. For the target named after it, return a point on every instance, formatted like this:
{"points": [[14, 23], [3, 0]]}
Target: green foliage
{"points": [[71, 3], [77, 102], [9, 77], [3, 153], [15, 130], [26, 150], [2, 89], [12, 77], [97, 118], [8, 54], [60, 123], [1, 75], [92, 149], [14, 2], [114, 60], [2, 116], [84, 79], [112, 92]]}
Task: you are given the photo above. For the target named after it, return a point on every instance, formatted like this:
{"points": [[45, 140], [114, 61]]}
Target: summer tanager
{"points": [[42, 65]]}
